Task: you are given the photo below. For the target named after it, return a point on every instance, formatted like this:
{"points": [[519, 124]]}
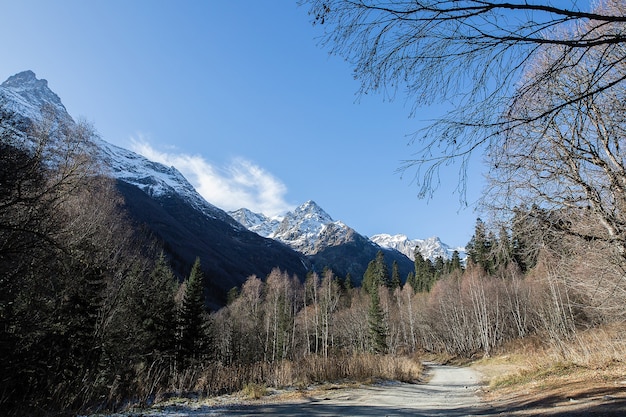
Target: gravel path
{"points": [[450, 392]]}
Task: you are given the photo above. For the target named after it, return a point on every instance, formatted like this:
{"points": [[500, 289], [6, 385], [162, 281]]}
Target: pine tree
{"points": [[376, 273], [347, 283], [385, 279], [232, 295], [520, 242], [190, 317], [377, 325], [395, 276], [479, 248], [455, 262], [439, 267], [428, 275], [410, 279], [369, 277], [161, 308], [424, 273]]}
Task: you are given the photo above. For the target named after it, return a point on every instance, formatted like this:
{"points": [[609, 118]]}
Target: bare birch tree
{"points": [[568, 158], [470, 53]]}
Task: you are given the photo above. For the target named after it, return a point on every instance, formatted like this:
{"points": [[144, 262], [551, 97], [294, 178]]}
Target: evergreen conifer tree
{"points": [[161, 308], [424, 273], [232, 295], [395, 276], [455, 262], [376, 273], [347, 283], [384, 278], [377, 325], [439, 267], [479, 248], [190, 318]]}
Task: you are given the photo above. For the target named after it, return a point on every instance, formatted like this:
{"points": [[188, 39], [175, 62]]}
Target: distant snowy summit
{"points": [[430, 248], [309, 229], [306, 229], [256, 222], [26, 95]]}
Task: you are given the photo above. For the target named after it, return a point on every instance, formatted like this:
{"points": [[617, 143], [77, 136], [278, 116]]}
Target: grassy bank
{"points": [[586, 374]]}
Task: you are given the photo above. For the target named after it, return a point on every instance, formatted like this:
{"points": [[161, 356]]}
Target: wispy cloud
{"points": [[241, 183]]}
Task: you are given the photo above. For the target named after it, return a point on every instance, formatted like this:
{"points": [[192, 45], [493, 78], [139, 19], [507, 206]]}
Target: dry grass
{"points": [[358, 368], [217, 379], [584, 375], [254, 391]]}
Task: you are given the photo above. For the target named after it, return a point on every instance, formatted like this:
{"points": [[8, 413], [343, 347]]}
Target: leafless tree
{"points": [[311, 312], [406, 316], [471, 54], [246, 322], [567, 158], [329, 300], [351, 330]]}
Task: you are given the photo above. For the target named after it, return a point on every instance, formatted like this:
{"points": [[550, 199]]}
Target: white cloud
{"points": [[239, 184]]}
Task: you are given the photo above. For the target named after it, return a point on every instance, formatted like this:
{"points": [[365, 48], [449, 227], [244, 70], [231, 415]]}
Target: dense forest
{"points": [[92, 317]]}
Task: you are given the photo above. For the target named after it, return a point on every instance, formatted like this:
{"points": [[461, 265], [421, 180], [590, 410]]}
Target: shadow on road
{"points": [[319, 409]]}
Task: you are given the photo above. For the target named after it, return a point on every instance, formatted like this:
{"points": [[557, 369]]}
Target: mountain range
{"points": [[159, 201], [309, 229], [231, 246], [312, 232], [430, 248]]}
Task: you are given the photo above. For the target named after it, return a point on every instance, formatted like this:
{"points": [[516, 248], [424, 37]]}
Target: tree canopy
{"points": [[472, 54]]}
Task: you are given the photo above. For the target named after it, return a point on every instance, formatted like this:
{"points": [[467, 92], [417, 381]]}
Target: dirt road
{"points": [[450, 392]]}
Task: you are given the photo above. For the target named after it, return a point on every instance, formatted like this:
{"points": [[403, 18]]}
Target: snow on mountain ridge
{"points": [[26, 97], [301, 228], [430, 248], [153, 178], [307, 229], [256, 222]]}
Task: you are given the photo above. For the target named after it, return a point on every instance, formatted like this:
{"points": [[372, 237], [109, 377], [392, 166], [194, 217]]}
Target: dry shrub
{"points": [[217, 379], [598, 347], [254, 391], [362, 367], [600, 352]]}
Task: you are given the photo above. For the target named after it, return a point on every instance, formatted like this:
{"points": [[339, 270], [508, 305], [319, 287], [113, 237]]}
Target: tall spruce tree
{"points": [[455, 262], [439, 267], [190, 316], [377, 273], [377, 324], [161, 309], [410, 279], [424, 273], [347, 282], [395, 276], [479, 248]]}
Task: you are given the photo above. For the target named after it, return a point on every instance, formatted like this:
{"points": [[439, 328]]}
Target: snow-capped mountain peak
{"points": [[27, 83], [430, 248], [311, 210], [301, 228], [309, 229], [25, 98], [306, 229], [26, 95], [256, 222]]}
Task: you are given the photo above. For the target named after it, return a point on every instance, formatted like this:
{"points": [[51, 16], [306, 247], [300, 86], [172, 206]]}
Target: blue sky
{"points": [[239, 96]]}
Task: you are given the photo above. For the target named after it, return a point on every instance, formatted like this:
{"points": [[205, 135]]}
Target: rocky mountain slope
{"points": [[327, 242], [159, 200], [231, 246], [310, 230]]}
